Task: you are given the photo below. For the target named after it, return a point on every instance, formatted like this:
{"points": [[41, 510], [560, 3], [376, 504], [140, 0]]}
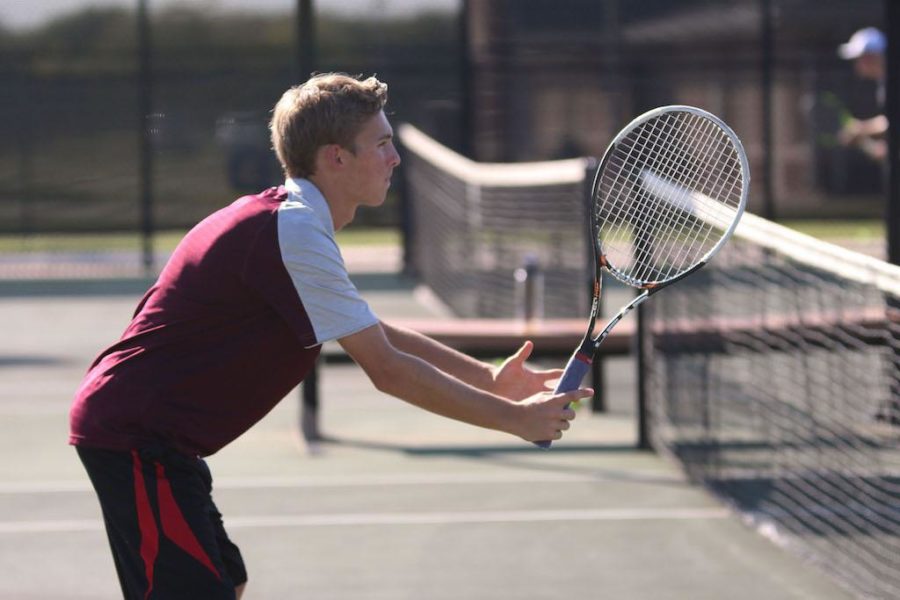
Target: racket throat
{"points": [[637, 301]]}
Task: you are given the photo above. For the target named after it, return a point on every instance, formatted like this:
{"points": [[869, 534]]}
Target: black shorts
{"points": [[165, 532]]}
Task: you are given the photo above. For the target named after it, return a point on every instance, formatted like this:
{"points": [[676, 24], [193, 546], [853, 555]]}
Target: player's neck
{"points": [[341, 214], [342, 208]]}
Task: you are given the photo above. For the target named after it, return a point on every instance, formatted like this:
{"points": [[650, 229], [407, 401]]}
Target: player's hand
{"points": [[545, 416], [516, 381], [864, 135], [850, 132]]}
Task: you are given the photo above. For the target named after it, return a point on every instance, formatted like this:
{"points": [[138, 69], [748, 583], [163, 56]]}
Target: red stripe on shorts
{"points": [[146, 522], [174, 525]]}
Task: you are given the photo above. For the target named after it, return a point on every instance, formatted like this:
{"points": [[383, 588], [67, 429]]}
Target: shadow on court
{"points": [[400, 505]]}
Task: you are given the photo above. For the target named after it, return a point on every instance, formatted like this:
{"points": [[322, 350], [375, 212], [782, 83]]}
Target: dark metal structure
{"points": [[892, 111], [145, 150]]}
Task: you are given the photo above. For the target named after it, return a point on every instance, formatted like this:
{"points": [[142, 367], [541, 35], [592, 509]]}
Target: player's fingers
{"points": [[524, 352], [574, 395], [568, 414], [564, 425]]}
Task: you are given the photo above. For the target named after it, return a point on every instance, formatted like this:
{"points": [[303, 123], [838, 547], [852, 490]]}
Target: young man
{"points": [[235, 321]]}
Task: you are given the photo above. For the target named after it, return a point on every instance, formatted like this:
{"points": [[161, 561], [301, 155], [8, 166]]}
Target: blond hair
{"points": [[328, 109]]}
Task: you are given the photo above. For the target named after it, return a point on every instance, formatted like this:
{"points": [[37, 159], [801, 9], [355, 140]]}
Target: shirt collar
{"points": [[305, 191]]}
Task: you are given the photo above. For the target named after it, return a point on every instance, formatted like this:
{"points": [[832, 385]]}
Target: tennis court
{"points": [[404, 505]]}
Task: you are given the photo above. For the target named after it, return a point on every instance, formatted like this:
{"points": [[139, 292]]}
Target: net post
{"points": [[644, 250], [892, 112], [598, 402], [642, 350], [145, 143], [405, 208], [309, 403], [305, 28], [529, 290], [890, 411], [767, 66]]}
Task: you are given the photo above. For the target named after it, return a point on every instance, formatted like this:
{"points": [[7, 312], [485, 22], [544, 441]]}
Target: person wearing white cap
{"points": [[866, 48]]}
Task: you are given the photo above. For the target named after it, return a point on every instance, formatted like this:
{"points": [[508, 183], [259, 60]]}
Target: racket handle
{"points": [[576, 369]]}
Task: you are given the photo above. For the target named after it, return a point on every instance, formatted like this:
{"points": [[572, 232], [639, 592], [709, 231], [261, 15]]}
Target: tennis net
{"points": [[773, 376], [474, 224]]}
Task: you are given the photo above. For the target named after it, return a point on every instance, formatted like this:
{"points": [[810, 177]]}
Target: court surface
{"points": [[403, 505]]}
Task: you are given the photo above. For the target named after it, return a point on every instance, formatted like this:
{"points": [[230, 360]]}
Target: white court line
{"points": [[44, 487], [444, 518], [361, 480], [435, 518]]}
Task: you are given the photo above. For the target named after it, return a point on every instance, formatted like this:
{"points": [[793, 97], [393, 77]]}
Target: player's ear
{"points": [[330, 156]]}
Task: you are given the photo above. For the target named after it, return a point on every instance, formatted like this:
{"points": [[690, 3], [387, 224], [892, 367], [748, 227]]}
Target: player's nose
{"points": [[394, 157]]}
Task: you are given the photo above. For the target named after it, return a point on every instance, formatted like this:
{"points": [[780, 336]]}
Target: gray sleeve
{"points": [[316, 268]]}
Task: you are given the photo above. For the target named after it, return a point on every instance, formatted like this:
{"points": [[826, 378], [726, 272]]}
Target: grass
{"points": [[162, 241], [832, 230], [83, 242], [369, 236]]}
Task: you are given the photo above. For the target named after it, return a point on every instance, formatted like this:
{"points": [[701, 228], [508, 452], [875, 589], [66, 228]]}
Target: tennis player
{"points": [[235, 322]]}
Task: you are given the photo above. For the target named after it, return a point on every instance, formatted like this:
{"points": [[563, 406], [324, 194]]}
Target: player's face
{"points": [[869, 66], [372, 160]]}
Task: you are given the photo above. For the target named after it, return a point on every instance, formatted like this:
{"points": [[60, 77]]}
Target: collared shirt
{"points": [[233, 324]]}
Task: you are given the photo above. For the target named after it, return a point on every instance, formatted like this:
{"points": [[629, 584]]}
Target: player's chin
{"points": [[376, 200]]}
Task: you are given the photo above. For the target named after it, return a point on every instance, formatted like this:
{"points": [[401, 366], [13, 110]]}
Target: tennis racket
{"points": [[668, 193]]}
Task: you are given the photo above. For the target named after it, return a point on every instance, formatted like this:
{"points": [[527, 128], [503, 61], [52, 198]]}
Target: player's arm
{"points": [[876, 126], [512, 379], [410, 378], [472, 371], [855, 128]]}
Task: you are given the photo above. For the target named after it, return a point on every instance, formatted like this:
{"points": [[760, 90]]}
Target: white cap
{"points": [[865, 41]]}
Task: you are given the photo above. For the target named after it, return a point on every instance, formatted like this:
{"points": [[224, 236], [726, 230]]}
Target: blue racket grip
{"points": [[576, 369]]}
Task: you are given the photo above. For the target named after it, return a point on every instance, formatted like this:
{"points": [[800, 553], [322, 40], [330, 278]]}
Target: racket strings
{"points": [[722, 170], [707, 171], [637, 211], [725, 188], [617, 214], [685, 167], [660, 230], [634, 210], [666, 222]]}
